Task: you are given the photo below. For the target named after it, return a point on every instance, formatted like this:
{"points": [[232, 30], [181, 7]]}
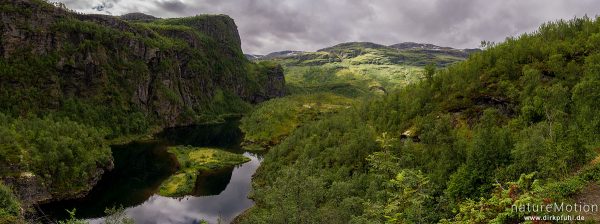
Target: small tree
{"points": [[429, 71], [486, 44]]}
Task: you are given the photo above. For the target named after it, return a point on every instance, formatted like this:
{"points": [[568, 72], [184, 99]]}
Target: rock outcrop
{"points": [[164, 67]]}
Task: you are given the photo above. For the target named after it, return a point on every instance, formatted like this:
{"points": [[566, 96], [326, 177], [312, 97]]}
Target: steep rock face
{"points": [[169, 69]]}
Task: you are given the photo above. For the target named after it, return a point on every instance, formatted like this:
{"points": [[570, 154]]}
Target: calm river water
{"points": [[140, 168]]}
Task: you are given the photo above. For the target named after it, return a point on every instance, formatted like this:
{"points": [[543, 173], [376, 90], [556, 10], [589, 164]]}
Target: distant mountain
{"points": [[352, 45], [253, 56], [280, 54], [273, 55], [407, 53], [430, 48], [416, 46]]}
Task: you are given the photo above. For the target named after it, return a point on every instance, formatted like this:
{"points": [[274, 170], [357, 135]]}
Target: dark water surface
{"points": [[141, 167]]}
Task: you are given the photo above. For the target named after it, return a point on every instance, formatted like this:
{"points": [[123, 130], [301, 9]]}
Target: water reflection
{"points": [[190, 209], [141, 167], [223, 135]]}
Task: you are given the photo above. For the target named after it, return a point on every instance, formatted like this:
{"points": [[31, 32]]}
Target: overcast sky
{"points": [[274, 25]]}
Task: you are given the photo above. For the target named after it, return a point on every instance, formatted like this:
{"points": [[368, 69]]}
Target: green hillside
{"points": [[514, 124], [71, 84], [360, 68], [327, 81]]}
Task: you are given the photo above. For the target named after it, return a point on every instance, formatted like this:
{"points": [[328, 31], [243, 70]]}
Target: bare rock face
{"points": [[162, 66]]}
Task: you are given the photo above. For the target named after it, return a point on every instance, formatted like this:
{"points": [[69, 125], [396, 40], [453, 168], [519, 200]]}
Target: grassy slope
{"points": [[516, 123], [275, 119], [331, 80], [363, 65], [192, 161]]}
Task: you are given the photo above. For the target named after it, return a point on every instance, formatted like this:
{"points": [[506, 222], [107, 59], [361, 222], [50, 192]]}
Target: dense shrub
{"points": [[64, 153]]}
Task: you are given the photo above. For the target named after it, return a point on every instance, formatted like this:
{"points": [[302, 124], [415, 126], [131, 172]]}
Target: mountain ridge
{"points": [[401, 53], [399, 46]]}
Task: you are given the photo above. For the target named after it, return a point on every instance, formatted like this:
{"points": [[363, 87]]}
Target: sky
{"points": [[274, 25]]}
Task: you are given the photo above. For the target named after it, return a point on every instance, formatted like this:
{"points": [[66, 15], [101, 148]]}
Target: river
{"points": [[140, 168]]}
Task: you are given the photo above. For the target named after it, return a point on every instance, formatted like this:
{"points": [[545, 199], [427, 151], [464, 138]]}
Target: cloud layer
{"points": [[274, 25]]}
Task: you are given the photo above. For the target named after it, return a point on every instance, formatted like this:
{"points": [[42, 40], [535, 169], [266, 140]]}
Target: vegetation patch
{"points": [[10, 208], [350, 80], [64, 153], [193, 160], [275, 119]]}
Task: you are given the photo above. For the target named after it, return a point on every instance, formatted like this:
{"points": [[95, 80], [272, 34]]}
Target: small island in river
{"points": [[192, 161]]}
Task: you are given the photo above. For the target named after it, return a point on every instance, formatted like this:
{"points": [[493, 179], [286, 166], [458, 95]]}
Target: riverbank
{"points": [[141, 167]]}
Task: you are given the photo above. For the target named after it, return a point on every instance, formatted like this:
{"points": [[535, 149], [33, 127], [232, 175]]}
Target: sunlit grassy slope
{"points": [[362, 68], [275, 119], [332, 79]]}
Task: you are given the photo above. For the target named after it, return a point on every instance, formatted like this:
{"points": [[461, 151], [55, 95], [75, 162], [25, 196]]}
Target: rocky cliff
{"points": [[169, 70], [120, 75]]}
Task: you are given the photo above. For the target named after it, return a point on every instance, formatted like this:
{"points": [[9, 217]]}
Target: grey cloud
{"points": [[272, 25], [104, 6], [175, 6]]}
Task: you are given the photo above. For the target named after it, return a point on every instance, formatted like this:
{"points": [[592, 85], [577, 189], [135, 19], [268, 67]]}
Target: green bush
{"points": [[10, 208], [64, 153]]}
